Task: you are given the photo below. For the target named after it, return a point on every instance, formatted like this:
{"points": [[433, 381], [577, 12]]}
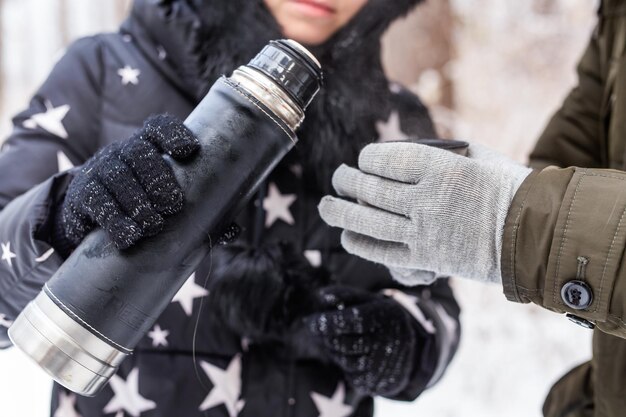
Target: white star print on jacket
{"points": [[129, 75], [409, 303], [314, 257], [7, 255], [226, 387], [277, 205], [126, 396], [333, 406], [63, 162], [51, 120], [189, 292], [67, 406], [390, 130], [4, 322], [158, 336]]}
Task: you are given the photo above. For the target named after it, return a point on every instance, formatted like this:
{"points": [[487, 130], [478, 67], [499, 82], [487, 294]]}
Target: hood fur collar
{"points": [[205, 39]]}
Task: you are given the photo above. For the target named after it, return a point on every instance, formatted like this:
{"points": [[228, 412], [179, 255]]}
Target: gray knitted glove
{"points": [[425, 209]]}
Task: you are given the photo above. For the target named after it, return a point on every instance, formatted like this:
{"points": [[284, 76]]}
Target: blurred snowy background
{"points": [[492, 72]]}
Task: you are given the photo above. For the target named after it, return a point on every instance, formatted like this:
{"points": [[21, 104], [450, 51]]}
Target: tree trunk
{"points": [[121, 9], [417, 51], [64, 23]]}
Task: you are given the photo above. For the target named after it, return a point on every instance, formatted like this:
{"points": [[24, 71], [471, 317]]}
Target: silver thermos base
{"points": [[72, 355]]}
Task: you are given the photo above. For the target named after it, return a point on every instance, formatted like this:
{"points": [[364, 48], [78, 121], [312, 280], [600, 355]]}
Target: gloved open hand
{"points": [[127, 187], [369, 336], [426, 210]]}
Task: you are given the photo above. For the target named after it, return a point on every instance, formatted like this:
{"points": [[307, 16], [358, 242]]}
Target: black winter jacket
{"points": [[100, 92]]}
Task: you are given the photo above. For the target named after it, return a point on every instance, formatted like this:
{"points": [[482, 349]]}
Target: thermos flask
{"points": [[94, 310], [455, 146]]}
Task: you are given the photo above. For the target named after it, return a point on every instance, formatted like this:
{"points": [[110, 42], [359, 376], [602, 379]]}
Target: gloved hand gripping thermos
{"points": [[102, 301]]}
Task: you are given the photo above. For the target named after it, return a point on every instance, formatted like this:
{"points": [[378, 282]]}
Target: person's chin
{"points": [[306, 34]]}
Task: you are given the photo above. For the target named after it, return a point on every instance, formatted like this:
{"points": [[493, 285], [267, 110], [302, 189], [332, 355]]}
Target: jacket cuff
{"points": [[525, 245], [437, 334], [567, 226], [25, 228]]}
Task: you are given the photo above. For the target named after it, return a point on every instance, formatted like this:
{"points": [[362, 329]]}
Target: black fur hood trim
{"points": [[205, 39]]}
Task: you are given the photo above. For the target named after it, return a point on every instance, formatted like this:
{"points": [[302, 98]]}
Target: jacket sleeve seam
{"points": [[617, 229], [529, 290], [514, 238], [564, 239], [617, 319], [615, 177], [608, 255]]}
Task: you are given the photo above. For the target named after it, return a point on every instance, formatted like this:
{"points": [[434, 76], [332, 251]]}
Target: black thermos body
{"points": [[102, 301]]}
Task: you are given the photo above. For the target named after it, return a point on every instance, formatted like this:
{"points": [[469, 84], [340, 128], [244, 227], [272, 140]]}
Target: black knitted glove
{"points": [[127, 187], [369, 336]]}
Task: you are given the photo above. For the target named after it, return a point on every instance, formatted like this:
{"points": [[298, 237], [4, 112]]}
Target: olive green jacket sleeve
{"points": [[558, 217], [570, 224]]}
